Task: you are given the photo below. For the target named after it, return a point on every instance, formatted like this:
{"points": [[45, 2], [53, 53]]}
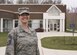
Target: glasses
{"points": [[25, 14]]}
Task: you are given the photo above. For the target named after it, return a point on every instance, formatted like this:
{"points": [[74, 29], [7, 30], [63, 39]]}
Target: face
{"points": [[24, 18]]}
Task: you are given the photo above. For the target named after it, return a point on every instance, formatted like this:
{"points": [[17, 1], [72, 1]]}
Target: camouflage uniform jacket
{"points": [[21, 42]]}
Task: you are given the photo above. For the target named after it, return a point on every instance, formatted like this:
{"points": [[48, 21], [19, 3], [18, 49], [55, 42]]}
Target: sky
{"points": [[70, 3]]}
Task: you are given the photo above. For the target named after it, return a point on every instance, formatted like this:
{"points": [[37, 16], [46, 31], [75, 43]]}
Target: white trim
{"points": [[1, 24], [63, 25], [46, 25], [7, 11], [55, 7], [13, 23]]}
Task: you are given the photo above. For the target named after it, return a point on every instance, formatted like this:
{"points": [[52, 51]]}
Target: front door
{"points": [[53, 27]]}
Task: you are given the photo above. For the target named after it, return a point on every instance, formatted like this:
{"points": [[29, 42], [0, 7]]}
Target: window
{"points": [[7, 25], [41, 23], [16, 23], [35, 24]]}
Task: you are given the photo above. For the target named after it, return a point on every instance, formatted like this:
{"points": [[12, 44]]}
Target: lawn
{"points": [[63, 43], [3, 39]]}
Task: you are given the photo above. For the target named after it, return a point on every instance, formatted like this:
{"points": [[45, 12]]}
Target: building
{"points": [[49, 17]]}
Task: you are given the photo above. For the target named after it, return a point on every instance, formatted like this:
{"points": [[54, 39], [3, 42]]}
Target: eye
{"points": [[24, 14]]}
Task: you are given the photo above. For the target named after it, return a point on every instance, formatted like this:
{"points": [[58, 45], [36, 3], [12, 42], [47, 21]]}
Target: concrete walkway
{"points": [[45, 51], [50, 34], [58, 52], [2, 50]]}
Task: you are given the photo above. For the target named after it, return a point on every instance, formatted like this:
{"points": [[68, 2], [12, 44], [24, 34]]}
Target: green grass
{"points": [[63, 43], [71, 30], [3, 39]]}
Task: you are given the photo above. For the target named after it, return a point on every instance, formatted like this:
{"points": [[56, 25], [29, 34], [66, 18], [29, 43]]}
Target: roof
{"points": [[39, 9]]}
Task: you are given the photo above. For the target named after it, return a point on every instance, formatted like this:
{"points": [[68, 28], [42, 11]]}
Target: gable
{"points": [[54, 10]]}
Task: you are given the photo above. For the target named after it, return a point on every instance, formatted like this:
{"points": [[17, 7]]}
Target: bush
{"points": [[39, 30]]}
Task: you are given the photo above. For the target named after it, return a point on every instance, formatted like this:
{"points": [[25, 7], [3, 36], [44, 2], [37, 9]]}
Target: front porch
{"points": [[51, 25], [54, 20]]}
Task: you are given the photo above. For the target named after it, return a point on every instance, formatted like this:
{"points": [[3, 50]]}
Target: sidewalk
{"points": [[50, 34], [58, 52], [2, 50], [45, 51]]}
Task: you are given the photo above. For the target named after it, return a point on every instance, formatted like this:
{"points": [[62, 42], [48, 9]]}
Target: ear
{"points": [[29, 16], [18, 16]]}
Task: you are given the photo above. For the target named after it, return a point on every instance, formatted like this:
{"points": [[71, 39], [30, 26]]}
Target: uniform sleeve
{"points": [[10, 45], [37, 49], [37, 53]]}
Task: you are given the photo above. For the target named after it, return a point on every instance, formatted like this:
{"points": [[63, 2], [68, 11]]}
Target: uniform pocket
{"points": [[21, 35]]}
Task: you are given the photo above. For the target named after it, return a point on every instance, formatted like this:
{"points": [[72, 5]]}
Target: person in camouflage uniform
{"points": [[22, 40]]}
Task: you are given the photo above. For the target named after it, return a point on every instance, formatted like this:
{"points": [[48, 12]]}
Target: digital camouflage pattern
{"points": [[21, 42]]}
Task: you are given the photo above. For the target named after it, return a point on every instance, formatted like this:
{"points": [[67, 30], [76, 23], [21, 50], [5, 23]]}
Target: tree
{"points": [[30, 2], [2, 1], [56, 1], [9, 1], [20, 1], [51, 1], [76, 10]]}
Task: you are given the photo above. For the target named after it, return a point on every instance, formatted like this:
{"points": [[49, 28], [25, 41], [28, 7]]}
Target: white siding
{"points": [[35, 24]]}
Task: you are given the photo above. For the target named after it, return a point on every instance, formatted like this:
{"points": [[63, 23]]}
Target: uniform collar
{"points": [[22, 30]]}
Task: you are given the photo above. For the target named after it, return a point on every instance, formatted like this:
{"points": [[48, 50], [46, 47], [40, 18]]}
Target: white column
{"points": [[53, 26], [13, 23], [46, 25], [1, 24], [61, 25]]}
